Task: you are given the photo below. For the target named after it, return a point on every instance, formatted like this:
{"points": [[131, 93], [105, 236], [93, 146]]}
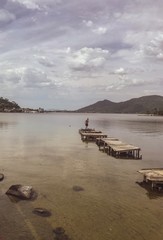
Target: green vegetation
{"points": [[7, 106]]}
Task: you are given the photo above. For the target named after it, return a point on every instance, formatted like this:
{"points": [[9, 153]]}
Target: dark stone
{"points": [[78, 188], [59, 230], [59, 234], [22, 192], [1, 176], [42, 212]]}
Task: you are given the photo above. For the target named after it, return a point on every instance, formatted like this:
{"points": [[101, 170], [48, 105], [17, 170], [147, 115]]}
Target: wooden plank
{"points": [[155, 174], [93, 134], [125, 147]]}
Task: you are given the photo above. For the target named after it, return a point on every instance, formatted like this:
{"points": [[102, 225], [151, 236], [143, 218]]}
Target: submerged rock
{"points": [[59, 230], [59, 234], [78, 188], [1, 176], [42, 212], [21, 192]]}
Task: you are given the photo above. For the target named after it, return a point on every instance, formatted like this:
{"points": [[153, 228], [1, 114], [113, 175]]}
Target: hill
{"points": [[147, 104], [7, 106]]}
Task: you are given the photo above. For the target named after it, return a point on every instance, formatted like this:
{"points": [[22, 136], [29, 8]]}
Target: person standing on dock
{"points": [[86, 123]]}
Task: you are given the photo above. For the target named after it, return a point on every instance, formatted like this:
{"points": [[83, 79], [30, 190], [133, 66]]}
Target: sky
{"points": [[68, 54]]}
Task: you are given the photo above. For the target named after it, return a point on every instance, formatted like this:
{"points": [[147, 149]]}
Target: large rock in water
{"points": [[21, 192]]}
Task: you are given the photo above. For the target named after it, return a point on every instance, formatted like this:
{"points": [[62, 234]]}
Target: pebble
{"points": [[78, 188], [42, 212]]}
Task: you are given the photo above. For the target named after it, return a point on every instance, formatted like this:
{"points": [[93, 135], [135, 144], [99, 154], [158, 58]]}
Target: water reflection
{"points": [[43, 151], [5, 125], [138, 124], [151, 193], [144, 127]]}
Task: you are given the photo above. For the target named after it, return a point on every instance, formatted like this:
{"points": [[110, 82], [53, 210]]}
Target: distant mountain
{"points": [[146, 104]]}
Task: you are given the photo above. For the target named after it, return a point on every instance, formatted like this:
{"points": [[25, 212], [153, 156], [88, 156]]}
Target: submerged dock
{"points": [[111, 145]]}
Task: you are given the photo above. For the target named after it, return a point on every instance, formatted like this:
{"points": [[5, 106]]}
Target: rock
{"points": [[42, 212], [78, 188], [1, 176], [21, 192], [59, 234], [59, 230]]}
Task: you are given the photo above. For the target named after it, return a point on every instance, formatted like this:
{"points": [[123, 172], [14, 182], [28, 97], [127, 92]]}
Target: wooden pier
{"points": [[153, 177], [102, 142], [118, 149], [111, 145], [88, 130], [91, 134]]}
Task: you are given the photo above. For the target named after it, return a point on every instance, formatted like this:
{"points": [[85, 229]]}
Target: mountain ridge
{"points": [[144, 104]]}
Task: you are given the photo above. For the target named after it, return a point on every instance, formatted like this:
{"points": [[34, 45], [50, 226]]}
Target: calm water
{"points": [[46, 152]]}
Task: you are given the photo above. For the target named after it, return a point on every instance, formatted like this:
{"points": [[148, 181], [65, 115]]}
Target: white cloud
{"points": [[88, 23], [45, 61], [120, 71], [25, 77], [155, 47], [100, 30], [87, 58], [29, 4], [160, 56]]}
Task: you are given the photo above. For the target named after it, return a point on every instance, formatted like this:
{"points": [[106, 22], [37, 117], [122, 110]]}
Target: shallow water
{"points": [[45, 151]]}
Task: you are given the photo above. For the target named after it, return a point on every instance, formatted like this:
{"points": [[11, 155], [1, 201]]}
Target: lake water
{"points": [[45, 151]]}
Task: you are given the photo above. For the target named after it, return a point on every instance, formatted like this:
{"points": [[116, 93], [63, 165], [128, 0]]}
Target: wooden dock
{"points": [[118, 149], [111, 145], [102, 142], [91, 134], [153, 176], [88, 130]]}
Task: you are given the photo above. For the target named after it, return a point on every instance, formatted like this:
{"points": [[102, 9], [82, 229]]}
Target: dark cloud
{"points": [[10, 77], [45, 62], [18, 9], [112, 46], [6, 17], [2, 3], [34, 78]]}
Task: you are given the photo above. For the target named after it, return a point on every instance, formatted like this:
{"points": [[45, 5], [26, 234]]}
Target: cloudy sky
{"points": [[67, 54]]}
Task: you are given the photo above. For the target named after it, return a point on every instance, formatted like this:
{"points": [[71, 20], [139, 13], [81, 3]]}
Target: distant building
{"points": [[40, 110]]}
